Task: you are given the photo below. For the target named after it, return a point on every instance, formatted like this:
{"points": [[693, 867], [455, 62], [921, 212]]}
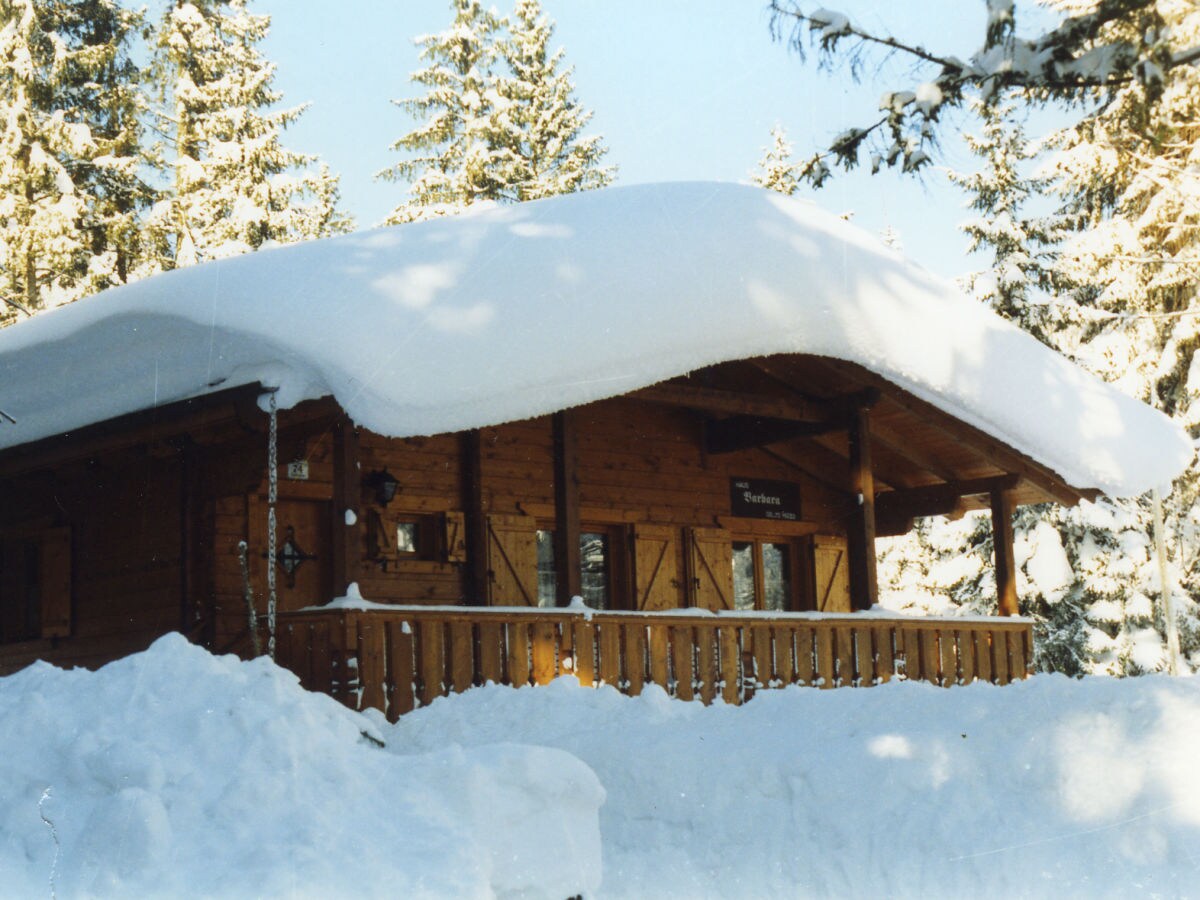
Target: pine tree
{"points": [[1095, 51], [776, 171], [456, 158], [68, 150], [1127, 183], [235, 187], [499, 120], [539, 118], [1125, 273], [104, 84], [1021, 247]]}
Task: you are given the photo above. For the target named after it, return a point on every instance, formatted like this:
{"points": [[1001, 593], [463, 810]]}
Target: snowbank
{"points": [[1047, 788], [175, 773], [517, 311]]}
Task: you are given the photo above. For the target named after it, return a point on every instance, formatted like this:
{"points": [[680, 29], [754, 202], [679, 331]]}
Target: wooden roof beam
{"points": [[939, 499], [736, 403], [1001, 455], [749, 432]]}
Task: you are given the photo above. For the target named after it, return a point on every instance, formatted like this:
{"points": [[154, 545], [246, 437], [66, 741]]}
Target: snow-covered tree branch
{"points": [[1087, 56]]}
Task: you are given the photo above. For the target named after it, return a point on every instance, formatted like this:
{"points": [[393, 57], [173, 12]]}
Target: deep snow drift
{"points": [[177, 773]]}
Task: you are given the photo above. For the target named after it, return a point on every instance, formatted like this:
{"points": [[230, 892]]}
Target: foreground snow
{"points": [[174, 772]]}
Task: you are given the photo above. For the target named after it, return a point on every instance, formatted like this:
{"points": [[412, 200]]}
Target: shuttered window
{"points": [[595, 564], [762, 575], [35, 584]]}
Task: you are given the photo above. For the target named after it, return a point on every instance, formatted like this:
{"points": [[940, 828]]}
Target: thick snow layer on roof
{"points": [[517, 311]]}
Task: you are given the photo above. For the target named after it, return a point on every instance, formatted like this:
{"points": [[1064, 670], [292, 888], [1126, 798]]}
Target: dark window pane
{"points": [[743, 575], [593, 558], [776, 576], [546, 576]]}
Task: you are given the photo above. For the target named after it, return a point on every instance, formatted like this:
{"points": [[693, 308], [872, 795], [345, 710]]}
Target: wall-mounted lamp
{"points": [[384, 484]]}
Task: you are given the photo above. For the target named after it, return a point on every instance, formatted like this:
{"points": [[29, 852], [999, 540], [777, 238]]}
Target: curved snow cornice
{"points": [[517, 311]]}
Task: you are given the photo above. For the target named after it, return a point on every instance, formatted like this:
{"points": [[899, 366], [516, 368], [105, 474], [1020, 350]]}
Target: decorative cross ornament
{"points": [[290, 555]]}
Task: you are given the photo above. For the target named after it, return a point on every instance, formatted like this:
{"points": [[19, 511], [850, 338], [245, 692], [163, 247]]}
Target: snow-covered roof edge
{"points": [[517, 311]]}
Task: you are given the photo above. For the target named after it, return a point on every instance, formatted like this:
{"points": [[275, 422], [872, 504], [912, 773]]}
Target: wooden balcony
{"points": [[399, 658]]}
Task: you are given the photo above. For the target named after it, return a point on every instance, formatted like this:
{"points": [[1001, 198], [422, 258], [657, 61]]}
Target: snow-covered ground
{"points": [[177, 773]]}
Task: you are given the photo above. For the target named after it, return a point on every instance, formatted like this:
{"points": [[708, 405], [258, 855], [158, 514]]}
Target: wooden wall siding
{"points": [[242, 516], [397, 660], [120, 526]]}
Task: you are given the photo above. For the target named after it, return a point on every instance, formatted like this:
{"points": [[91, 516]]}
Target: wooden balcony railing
{"points": [[407, 656]]}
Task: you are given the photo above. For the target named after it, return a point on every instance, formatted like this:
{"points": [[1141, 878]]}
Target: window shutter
{"points": [[56, 581], [454, 537], [656, 567], [512, 561], [710, 568], [831, 574]]}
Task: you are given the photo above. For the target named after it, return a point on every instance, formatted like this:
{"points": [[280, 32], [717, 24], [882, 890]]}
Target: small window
{"points": [[762, 575], [594, 559], [547, 576], [408, 538]]}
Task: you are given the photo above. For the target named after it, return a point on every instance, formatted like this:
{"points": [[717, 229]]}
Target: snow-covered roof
{"points": [[516, 311]]}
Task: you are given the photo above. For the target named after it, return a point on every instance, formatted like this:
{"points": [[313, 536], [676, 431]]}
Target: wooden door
{"points": [[710, 568], [831, 574], [303, 552], [512, 561], [56, 582], [656, 567]]}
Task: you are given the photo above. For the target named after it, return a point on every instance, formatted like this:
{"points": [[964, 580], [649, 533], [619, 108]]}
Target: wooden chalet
{"points": [[717, 519]]}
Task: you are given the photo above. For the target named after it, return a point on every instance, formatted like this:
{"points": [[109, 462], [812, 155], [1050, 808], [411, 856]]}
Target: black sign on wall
{"points": [[757, 498]]}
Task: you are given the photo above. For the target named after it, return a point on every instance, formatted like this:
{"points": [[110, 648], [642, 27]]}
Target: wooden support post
{"points": [[347, 496], [567, 563], [860, 537], [1002, 540], [475, 506]]}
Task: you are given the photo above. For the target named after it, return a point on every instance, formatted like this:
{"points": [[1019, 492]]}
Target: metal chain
{"points": [[272, 497]]}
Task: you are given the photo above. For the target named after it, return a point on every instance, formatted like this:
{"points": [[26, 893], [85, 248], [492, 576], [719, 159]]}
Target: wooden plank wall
{"points": [[637, 463], [398, 660], [124, 515]]}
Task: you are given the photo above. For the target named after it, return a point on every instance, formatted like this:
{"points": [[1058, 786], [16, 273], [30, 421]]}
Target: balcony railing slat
{"points": [[1000, 656], [517, 657], [491, 652], [825, 657], [401, 673]]}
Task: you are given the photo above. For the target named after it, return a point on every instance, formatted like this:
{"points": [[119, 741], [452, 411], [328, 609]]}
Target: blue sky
{"points": [[681, 90]]}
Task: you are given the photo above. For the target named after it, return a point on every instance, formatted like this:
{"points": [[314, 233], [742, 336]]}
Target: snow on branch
{"points": [[1085, 57]]}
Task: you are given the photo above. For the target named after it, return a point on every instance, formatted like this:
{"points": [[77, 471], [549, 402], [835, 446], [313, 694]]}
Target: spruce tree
{"points": [[455, 157], [1130, 197], [776, 171], [498, 121], [235, 186], [1124, 276], [1020, 246], [104, 84], [69, 190], [539, 118]]}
